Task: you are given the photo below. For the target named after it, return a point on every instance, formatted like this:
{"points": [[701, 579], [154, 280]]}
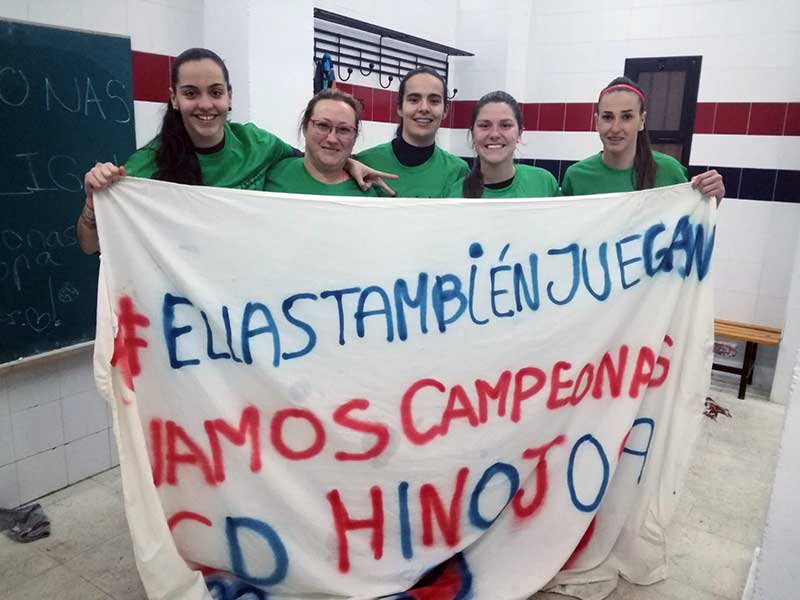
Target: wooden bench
{"points": [[753, 335]]}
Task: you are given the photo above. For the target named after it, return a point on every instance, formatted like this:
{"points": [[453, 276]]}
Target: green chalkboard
{"points": [[66, 101]]}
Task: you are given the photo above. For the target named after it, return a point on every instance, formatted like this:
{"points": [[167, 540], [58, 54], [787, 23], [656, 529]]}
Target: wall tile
{"points": [[32, 385], [578, 116], [76, 373], [530, 112], [770, 312], [382, 106], [9, 488], [395, 118], [767, 118], [549, 165], [776, 275], [83, 414], [787, 188], [462, 111], [149, 116], [37, 429], [757, 184], [704, 117], [364, 96], [344, 87], [732, 117], [150, 76], [735, 306], [41, 474], [551, 116], [87, 456], [792, 119]]}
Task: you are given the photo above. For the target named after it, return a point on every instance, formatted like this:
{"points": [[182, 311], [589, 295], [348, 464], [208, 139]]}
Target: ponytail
{"points": [[644, 165], [473, 182], [176, 160]]}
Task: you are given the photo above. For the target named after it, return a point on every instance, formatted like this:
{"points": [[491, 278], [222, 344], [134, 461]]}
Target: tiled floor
{"points": [[716, 529]]}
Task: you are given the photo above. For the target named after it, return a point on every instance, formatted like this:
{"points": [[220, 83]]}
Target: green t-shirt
{"points": [[290, 176], [431, 179], [241, 164], [592, 176], [529, 182]]}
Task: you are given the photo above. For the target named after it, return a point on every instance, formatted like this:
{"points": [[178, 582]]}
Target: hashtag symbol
{"points": [[127, 343]]}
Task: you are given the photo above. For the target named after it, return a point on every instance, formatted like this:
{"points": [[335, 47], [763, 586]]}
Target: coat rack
{"points": [[354, 44]]}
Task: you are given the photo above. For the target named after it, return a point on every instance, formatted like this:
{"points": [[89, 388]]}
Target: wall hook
{"points": [[453, 95], [338, 63], [362, 71], [380, 80]]}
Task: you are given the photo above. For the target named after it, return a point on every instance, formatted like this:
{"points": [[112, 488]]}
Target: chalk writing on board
{"points": [[78, 96]]}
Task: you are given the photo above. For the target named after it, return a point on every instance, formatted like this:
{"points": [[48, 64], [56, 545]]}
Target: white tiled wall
{"points": [[54, 427]]}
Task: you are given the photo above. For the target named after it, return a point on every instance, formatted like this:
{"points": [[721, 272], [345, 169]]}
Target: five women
{"points": [[197, 145]]}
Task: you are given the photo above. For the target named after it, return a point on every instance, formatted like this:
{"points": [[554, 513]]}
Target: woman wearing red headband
{"points": [[627, 162]]}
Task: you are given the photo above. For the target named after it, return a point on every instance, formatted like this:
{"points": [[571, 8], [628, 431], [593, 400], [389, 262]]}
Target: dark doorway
{"points": [[670, 86]]}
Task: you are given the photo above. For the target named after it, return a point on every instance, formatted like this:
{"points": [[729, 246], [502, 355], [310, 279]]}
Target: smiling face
{"points": [[422, 109], [496, 134], [619, 120], [330, 135], [202, 97]]}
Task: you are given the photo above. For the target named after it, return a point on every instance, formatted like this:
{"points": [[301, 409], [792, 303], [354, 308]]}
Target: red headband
{"points": [[621, 86]]}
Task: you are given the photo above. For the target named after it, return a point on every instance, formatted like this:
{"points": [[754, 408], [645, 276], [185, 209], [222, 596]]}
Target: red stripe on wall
{"points": [[151, 74]]}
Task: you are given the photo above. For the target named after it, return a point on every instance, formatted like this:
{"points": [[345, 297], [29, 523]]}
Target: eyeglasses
{"points": [[325, 127]]}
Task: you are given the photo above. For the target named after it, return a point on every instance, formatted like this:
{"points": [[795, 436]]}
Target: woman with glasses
{"points": [[330, 125]]}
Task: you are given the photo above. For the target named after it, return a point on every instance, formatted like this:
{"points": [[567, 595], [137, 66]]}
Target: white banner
{"points": [[320, 397]]}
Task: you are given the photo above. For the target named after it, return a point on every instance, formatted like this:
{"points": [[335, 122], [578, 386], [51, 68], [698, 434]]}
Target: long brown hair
{"points": [[176, 160]]}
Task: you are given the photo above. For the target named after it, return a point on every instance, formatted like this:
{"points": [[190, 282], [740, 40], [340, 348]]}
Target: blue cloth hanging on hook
{"points": [[324, 74]]}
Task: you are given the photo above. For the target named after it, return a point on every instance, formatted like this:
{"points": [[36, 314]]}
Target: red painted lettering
{"points": [[556, 384], [614, 374], [415, 436], [466, 410], [195, 455], [276, 433], [542, 484], [381, 432], [486, 392], [587, 372], [643, 371], [343, 524], [449, 521], [248, 423], [521, 393]]}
